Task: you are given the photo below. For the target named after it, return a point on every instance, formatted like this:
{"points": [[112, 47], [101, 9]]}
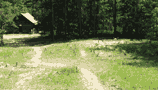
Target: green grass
{"points": [[12, 55], [9, 55], [64, 78], [8, 77], [137, 70], [66, 51], [130, 72]]}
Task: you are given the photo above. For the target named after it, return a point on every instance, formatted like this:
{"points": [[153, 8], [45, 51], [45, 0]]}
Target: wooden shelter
{"points": [[25, 22]]}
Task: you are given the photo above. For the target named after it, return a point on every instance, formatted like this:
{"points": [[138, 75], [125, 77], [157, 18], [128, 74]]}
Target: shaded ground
{"points": [[29, 40]]}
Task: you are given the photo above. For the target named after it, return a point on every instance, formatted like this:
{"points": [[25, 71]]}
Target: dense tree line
{"points": [[82, 18]]}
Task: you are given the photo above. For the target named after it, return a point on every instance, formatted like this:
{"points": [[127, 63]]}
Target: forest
{"points": [[123, 57], [72, 19]]}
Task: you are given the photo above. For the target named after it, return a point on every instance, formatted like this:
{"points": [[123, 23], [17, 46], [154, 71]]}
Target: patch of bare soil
{"points": [[12, 36]]}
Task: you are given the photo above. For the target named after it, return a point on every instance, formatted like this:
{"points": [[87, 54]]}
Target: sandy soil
{"points": [[11, 36]]}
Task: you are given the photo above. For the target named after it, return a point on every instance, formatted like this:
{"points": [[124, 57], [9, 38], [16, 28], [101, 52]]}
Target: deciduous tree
{"points": [[7, 13]]}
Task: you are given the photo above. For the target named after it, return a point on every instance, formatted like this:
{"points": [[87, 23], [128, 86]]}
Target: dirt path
{"points": [[26, 78], [89, 79], [34, 62]]}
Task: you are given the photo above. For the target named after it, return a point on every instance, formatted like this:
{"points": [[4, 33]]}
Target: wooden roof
{"points": [[30, 18], [26, 15]]}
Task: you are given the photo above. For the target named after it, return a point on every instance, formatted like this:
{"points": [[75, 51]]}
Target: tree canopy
{"points": [[131, 18]]}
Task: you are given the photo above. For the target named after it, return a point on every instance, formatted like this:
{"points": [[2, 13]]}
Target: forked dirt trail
{"points": [[89, 80], [26, 78]]}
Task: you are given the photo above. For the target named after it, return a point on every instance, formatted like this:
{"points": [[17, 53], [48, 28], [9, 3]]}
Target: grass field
{"points": [[137, 70], [128, 66], [12, 55], [66, 78], [8, 76], [122, 66], [9, 56]]}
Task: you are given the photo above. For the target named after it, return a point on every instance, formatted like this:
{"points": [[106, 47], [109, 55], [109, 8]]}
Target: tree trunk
{"points": [[150, 41], [65, 10], [90, 14], [2, 43], [79, 15], [94, 12], [114, 17], [52, 31], [97, 12]]}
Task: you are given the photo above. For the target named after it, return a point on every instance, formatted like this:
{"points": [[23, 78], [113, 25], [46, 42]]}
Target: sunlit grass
{"points": [[9, 77], [62, 78], [120, 68], [12, 55], [61, 51], [124, 72]]}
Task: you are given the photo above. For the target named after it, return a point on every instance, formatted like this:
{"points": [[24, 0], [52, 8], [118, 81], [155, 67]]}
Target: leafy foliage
{"points": [[8, 11], [133, 18]]}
